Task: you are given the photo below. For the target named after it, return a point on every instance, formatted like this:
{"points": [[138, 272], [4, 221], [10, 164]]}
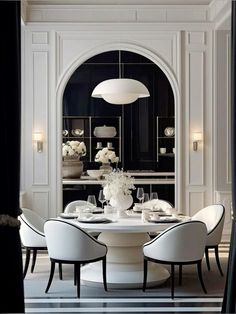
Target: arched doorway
{"points": [[160, 109]]}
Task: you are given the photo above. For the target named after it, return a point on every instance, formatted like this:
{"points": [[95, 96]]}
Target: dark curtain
{"points": [[229, 301], [11, 281]]}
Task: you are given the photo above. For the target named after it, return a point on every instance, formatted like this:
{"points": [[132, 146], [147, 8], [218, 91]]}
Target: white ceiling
{"points": [[135, 2]]}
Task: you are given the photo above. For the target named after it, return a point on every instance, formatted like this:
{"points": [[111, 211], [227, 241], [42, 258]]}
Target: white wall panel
{"points": [[225, 198], [40, 115], [40, 38], [196, 85], [222, 129], [196, 201], [40, 202]]}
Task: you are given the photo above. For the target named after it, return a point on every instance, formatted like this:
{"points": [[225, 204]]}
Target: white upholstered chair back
{"points": [[31, 229], [213, 216], [183, 242], [68, 242]]}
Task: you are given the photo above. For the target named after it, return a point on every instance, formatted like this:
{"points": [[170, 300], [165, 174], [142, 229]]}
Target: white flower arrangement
{"points": [[74, 149], [105, 156], [118, 183]]}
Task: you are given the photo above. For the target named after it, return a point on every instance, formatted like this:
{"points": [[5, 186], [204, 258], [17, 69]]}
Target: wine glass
{"points": [[140, 194], [153, 196], [92, 200], [101, 197], [145, 197]]}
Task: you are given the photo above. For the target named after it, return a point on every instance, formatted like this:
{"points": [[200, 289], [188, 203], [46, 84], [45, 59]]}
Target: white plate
{"points": [[169, 131], [77, 132]]}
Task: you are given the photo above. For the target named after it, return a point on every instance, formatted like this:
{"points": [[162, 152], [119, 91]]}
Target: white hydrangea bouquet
{"points": [[117, 190], [105, 156], [73, 149], [117, 185]]}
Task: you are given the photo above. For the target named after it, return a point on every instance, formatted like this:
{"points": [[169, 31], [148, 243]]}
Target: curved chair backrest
{"points": [[68, 242], [70, 208], [183, 242], [31, 229], [213, 216]]}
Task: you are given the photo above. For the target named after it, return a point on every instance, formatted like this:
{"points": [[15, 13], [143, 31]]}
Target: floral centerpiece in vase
{"points": [[117, 190], [71, 153], [106, 156]]}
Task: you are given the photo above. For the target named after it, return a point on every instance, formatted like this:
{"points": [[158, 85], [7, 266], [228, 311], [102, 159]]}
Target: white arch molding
{"points": [[62, 82]]}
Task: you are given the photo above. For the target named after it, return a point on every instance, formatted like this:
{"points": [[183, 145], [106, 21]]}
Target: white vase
{"points": [[121, 203]]}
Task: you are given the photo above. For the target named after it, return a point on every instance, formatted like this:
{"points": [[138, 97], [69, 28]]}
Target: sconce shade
{"points": [[37, 136], [120, 91], [197, 136]]}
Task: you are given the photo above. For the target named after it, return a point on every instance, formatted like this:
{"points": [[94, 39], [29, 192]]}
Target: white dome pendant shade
{"points": [[120, 91]]}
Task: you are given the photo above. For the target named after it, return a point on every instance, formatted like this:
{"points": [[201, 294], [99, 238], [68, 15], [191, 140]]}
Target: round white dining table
{"points": [[124, 238]]}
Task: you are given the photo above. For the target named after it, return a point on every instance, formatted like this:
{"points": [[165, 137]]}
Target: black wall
{"points": [[139, 119]]}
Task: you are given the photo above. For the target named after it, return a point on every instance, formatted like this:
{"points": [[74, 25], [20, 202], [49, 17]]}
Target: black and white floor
{"points": [[62, 298], [124, 305]]}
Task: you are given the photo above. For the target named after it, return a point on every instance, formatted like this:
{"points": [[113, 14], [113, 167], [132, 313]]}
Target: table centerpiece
{"points": [[117, 190]]}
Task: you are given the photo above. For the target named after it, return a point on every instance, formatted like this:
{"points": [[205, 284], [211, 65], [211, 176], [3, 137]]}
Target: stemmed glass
{"points": [[140, 194], [92, 199], [153, 196], [101, 197], [145, 197]]}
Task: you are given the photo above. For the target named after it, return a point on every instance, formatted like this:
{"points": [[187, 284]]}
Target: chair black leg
{"points": [[145, 270], [33, 260], [27, 260], [180, 274], [104, 272], [207, 258], [199, 268], [51, 276], [172, 280], [78, 279], [60, 271], [218, 260]]}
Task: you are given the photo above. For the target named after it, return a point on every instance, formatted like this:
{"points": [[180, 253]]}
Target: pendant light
{"points": [[120, 91]]}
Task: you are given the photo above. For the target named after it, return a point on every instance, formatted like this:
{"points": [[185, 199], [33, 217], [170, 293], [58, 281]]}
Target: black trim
{"points": [[77, 227], [170, 228], [30, 226], [223, 215], [77, 263]]}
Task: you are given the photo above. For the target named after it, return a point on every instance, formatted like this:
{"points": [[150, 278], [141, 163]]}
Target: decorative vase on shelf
{"points": [[106, 167], [72, 168], [121, 203]]}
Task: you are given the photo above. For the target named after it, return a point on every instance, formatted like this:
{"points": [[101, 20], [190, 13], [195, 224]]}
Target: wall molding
{"points": [[118, 13]]}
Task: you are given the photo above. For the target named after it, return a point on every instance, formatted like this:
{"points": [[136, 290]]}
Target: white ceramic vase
{"points": [[121, 203]]}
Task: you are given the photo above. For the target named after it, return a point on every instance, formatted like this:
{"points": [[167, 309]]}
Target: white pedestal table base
{"points": [[124, 263]]}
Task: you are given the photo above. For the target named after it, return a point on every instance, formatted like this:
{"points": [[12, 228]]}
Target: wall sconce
{"points": [[197, 137], [38, 138]]}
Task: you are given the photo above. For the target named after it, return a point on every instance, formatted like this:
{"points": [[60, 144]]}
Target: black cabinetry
{"points": [[82, 129]]}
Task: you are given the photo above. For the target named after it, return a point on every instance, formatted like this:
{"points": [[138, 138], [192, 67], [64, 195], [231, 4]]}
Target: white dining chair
{"points": [[69, 244], [213, 216], [181, 244], [71, 207], [32, 236]]}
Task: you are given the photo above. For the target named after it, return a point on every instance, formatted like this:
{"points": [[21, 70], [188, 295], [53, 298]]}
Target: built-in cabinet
{"points": [[166, 142], [83, 129]]}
